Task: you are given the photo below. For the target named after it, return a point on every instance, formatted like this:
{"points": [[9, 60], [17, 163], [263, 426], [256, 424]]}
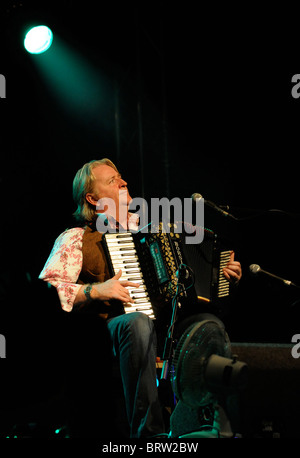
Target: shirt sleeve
{"points": [[64, 265]]}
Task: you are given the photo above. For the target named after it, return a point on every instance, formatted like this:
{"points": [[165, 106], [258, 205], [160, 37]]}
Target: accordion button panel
{"points": [[223, 284]]}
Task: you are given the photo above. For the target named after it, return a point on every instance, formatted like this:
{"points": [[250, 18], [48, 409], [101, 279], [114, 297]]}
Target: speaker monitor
{"points": [[269, 405]]}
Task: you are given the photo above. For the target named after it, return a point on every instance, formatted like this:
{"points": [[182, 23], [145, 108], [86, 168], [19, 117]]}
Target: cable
{"points": [[271, 210]]}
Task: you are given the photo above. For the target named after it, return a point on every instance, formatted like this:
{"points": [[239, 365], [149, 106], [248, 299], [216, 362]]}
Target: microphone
{"points": [[196, 197], [256, 269]]}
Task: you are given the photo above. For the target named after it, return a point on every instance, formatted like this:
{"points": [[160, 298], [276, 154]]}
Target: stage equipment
{"points": [[38, 39], [270, 403], [196, 197], [256, 269], [204, 372]]}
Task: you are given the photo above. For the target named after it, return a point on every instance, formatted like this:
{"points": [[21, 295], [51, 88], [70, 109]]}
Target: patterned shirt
{"points": [[64, 264]]}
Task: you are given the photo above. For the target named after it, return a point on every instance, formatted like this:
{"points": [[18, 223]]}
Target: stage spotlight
{"points": [[38, 39]]}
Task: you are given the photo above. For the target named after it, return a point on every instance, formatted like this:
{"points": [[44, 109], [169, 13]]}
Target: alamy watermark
{"points": [[188, 215], [296, 348], [2, 87], [2, 346]]}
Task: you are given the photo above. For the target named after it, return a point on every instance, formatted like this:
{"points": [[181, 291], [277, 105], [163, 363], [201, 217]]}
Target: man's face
{"points": [[108, 183]]}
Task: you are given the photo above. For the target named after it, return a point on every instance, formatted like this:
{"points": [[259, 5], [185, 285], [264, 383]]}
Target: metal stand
{"points": [[182, 275]]}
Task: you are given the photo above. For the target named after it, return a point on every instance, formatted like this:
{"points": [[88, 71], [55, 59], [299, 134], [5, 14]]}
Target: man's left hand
{"points": [[233, 270]]}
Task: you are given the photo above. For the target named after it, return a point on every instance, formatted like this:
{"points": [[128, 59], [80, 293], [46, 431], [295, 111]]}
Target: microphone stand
{"points": [[167, 353]]}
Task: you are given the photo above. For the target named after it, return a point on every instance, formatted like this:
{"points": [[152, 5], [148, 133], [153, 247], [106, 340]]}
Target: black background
{"points": [[213, 86], [204, 105]]}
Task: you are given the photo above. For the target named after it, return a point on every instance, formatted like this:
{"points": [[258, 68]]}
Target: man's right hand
{"points": [[113, 289]]}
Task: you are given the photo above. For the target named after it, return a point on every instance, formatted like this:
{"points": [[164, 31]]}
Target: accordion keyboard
{"points": [[122, 253]]}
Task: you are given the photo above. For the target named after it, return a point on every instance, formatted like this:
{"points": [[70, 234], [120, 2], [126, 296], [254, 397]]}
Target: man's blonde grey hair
{"points": [[83, 183]]}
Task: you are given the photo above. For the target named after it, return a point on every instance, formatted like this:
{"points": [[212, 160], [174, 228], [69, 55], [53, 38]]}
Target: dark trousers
{"points": [[134, 344]]}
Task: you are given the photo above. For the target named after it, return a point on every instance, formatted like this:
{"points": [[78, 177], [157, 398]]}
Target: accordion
{"points": [[152, 259]]}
